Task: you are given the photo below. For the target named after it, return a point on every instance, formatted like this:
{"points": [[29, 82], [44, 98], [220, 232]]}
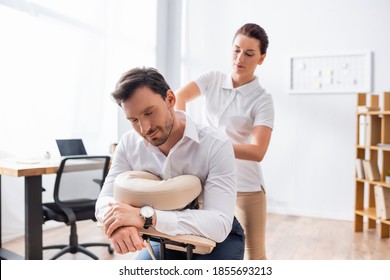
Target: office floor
{"points": [[288, 238]]}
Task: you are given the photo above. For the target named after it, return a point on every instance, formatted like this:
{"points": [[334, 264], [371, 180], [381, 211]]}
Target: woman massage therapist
{"points": [[236, 104]]}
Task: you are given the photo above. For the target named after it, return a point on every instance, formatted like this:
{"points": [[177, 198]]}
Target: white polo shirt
{"points": [[235, 111], [204, 152]]}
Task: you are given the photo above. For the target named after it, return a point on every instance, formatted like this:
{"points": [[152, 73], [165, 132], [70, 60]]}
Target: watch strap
{"points": [[148, 222]]}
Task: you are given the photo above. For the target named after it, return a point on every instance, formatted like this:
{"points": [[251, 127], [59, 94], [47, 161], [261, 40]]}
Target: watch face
{"points": [[147, 211]]}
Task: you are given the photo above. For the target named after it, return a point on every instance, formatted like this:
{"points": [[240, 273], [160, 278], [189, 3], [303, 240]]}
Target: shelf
{"points": [[373, 129], [361, 180], [377, 148], [378, 113], [374, 113], [371, 214], [368, 212], [383, 184]]}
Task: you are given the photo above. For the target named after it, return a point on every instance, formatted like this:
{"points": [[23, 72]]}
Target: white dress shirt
{"points": [[235, 111], [204, 152]]}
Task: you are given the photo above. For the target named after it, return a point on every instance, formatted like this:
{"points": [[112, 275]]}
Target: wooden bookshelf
{"points": [[376, 132]]}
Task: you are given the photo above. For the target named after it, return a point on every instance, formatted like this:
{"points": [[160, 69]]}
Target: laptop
{"points": [[71, 147]]}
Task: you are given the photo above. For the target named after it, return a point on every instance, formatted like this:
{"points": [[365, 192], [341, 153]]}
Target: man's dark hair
{"points": [[138, 78], [255, 31]]}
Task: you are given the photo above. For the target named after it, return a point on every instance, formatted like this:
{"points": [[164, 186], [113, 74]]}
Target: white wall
{"points": [[309, 167]]}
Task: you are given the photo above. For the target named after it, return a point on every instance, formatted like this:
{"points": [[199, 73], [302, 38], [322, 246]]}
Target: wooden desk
{"points": [[32, 174]]}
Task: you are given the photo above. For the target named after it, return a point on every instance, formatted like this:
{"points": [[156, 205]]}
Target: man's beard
{"points": [[166, 133]]}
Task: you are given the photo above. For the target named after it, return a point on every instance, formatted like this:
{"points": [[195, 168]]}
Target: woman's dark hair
{"points": [[137, 78], [255, 31]]}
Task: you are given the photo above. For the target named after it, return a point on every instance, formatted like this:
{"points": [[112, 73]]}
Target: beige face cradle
{"points": [[140, 188]]}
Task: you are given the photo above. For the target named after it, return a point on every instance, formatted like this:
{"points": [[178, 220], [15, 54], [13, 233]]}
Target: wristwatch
{"points": [[147, 213]]}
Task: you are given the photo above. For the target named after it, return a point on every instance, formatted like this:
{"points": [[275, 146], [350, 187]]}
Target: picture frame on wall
{"points": [[331, 73]]}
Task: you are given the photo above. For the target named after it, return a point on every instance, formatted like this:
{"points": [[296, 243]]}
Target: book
{"points": [[367, 131], [366, 109], [379, 205], [362, 130], [359, 169], [371, 170], [382, 202]]}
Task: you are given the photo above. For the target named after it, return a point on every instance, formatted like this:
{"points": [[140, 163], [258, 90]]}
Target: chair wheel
{"points": [[110, 250]]}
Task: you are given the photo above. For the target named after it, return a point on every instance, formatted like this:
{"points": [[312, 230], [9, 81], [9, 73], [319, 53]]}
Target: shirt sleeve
{"points": [[204, 80], [215, 219], [120, 164], [264, 112]]}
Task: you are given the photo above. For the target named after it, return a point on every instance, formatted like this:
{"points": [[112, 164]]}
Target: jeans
{"points": [[232, 248]]}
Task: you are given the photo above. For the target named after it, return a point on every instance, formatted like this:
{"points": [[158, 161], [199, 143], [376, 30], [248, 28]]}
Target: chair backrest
{"points": [[79, 179]]}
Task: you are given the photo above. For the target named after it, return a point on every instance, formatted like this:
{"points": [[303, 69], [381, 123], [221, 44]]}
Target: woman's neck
{"points": [[240, 80]]}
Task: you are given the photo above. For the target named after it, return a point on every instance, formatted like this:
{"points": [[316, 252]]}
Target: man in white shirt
{"points": [[168, 143]]}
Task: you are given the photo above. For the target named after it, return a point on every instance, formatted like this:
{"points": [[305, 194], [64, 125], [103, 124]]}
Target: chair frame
{"points": [[189, 248]]}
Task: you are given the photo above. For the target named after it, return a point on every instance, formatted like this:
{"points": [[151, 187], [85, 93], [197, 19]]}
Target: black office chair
{"points": [[77, 186]]}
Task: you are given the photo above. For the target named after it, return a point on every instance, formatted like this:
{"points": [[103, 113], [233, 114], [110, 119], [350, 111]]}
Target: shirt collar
{"points": [[244, 89], [228, 82], [190, 131]]}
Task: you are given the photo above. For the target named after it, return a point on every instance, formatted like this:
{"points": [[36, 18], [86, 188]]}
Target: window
{"points": [[59, 62]]}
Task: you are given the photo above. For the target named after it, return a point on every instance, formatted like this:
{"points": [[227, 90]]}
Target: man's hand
{"points": [[120, 215], [127, 239]]}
